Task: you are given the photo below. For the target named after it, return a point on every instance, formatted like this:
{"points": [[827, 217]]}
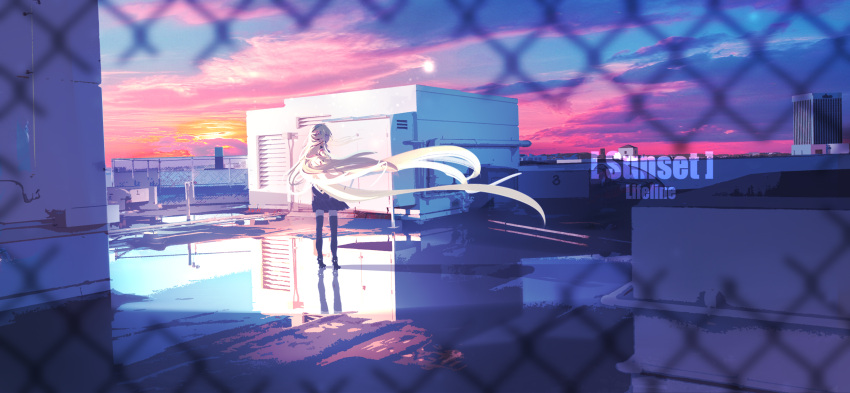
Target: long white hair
{"points": [[317, 167]]}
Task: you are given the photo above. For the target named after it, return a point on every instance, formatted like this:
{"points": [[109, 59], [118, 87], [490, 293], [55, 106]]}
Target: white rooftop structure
{"points": [[385, 121]]}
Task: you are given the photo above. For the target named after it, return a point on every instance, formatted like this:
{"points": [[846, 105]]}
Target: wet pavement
{"points": [[470, 303]]}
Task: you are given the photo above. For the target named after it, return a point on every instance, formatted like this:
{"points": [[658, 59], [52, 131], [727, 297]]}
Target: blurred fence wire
{"points": [[691, 346]]}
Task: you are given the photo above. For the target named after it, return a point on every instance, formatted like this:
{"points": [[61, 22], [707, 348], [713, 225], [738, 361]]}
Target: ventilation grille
{"points": [[277, 264], [401, 124], [273, 160], [309, 121]]}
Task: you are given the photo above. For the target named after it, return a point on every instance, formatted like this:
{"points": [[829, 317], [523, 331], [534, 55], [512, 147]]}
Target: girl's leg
{"points": [[320, 218], [333, 221]]}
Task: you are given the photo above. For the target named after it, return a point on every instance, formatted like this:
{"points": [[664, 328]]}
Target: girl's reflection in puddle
{"points": [[323, 302]]}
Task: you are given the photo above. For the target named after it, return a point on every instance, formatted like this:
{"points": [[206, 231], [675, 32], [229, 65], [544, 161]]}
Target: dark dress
{"points": [[325, 202]]}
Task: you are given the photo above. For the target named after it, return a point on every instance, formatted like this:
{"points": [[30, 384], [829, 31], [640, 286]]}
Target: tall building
{"points": [[817, 124]]}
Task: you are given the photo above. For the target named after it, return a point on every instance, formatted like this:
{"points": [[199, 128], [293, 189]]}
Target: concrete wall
{"points": [[52, 146], [745, 297], [679, 253], [554, 181], [706, 354]]}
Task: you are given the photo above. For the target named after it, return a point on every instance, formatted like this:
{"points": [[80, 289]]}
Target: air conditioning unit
{"points": [[385, 122]]}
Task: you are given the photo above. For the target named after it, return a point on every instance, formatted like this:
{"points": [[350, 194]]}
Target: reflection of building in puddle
{"points": [[178, 270], [185, 290], [286, 280], [350, 313]]}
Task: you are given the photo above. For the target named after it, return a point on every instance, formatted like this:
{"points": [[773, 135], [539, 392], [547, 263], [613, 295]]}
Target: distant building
{"points": [[817, 124], [628, 151], [569, 159], [534, 158]]}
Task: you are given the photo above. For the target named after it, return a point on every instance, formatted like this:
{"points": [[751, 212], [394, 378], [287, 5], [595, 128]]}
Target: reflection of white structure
{"points": [[274, 283], [285, 279], [385, 121]]}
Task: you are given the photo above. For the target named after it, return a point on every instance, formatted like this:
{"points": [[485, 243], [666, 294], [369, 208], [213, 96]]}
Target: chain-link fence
{"points": [[768, 311], [225, 184]]}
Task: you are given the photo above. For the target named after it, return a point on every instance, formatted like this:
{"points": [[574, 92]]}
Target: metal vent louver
{"points": [[310, 120], [277, 263], [273, 160]]}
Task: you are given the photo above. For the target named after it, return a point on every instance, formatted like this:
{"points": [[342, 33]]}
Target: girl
{"points": [[326, 176]]}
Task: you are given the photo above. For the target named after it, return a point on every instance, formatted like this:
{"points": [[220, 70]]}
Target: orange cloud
{"points": [[213, 129], [212, 103]]}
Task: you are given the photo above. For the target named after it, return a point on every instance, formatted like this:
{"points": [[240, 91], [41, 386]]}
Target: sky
{"points": [[669, 76]]}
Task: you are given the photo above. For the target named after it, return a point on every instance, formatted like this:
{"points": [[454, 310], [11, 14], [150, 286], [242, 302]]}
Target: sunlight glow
{"points": [[428, 66]]}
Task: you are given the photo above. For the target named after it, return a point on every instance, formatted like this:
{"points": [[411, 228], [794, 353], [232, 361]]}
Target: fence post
{"points": [[190, 191], [392, 213]]}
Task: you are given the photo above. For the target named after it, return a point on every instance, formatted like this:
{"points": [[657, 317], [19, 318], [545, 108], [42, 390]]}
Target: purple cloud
{"points": [[672, 45], [526, 87]]}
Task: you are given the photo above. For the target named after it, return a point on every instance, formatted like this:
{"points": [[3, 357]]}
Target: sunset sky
{"points": [[719, 81]]}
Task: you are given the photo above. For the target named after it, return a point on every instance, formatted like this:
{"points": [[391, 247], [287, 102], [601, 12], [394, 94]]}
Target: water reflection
{"points": [[322, 299], [443, 298], [286, 270], [178, 271]]}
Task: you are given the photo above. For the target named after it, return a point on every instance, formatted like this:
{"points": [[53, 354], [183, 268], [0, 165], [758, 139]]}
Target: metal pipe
{"points": [[481, 143]]}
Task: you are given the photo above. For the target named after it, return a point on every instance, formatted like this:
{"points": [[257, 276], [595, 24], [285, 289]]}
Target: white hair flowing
{"points": [[316, 166]]}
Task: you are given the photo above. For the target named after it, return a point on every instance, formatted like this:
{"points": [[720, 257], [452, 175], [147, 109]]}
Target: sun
{"points": [[428, 66]]}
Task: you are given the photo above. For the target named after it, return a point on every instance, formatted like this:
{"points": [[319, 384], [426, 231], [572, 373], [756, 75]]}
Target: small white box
{"points": [[139, 195], [87, 215], [113, 214]]}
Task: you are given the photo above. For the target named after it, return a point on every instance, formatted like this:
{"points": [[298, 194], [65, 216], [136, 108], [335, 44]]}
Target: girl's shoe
{"points": [[336, 265]]}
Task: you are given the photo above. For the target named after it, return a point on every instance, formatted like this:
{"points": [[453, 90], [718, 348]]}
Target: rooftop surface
{"points": [[461, 304]]}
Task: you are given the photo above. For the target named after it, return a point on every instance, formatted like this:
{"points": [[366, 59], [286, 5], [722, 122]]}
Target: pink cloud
{"points": [[147, 114], [598, 105], [138, 110], [599, 115], [196, 15]]}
